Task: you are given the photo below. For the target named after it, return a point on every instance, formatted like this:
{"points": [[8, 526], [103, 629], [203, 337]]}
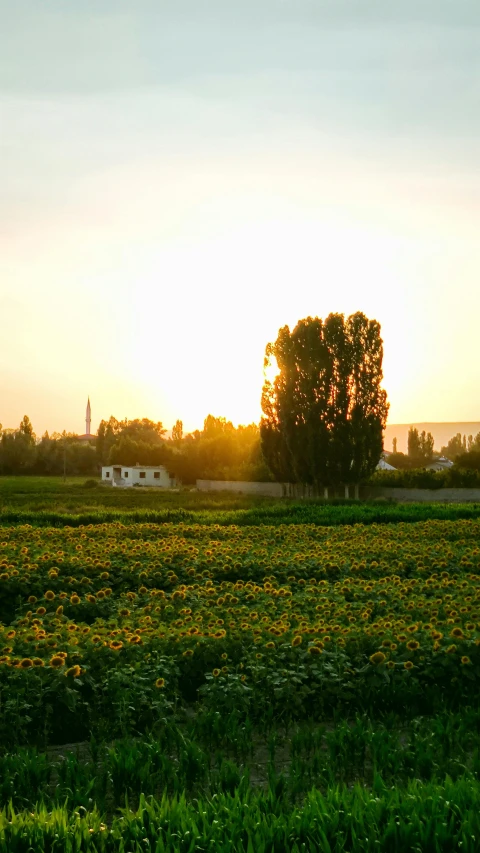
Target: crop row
{"points": [[212, 753], [421, 817]]}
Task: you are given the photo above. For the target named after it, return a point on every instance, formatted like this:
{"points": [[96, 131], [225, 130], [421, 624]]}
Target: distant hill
{"points": [[441, 432]]}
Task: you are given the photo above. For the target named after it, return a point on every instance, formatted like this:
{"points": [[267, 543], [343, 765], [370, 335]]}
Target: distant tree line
{"points": [[219, 451], [324, 413], [21, 453], [462, 450], [424, 478]]}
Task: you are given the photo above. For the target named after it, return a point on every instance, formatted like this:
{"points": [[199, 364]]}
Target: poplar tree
{"points": [[325, 411]]}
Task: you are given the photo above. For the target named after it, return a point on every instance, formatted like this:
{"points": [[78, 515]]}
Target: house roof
{"points": [[140, 467], [440, 464], [385, 466]]}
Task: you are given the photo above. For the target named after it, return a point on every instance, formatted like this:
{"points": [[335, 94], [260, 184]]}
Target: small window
{"points": [[125, 473], [156, 475], [107, 474], [142, 475]]}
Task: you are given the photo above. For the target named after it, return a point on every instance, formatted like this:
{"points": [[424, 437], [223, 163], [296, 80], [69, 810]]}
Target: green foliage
{"points": [[456, 446], [420, 447], [219, 452], [325, 411], [20, 454], [433, 816], [177, 431], [17, 449], [418, 478]]}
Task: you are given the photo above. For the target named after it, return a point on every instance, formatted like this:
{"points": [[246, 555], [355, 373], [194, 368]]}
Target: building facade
{"points": [[138, 475]]}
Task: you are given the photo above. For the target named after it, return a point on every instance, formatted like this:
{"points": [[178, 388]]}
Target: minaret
{"points": [[88, 418]]}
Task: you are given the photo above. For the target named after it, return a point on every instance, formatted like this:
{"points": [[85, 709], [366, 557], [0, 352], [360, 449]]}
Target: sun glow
{"points": [[271, 369]]}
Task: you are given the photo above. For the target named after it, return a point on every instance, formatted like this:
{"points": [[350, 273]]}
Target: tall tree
{"points": [[324, 411], [420, 447], [17, 448], [177, 431], [457, 445], [413, 443], [26, 428]]}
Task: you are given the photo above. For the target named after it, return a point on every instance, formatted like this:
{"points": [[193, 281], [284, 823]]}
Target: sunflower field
{"points": [[160, 682]]}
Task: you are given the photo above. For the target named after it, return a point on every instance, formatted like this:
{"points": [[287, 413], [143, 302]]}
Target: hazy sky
{"points": [[179, 179]]}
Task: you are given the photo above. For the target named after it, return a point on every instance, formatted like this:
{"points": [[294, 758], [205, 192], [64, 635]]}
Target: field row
{"points": [[421, 817]]}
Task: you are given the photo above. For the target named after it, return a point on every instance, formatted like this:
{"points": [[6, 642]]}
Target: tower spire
{"points": [[88, 417]]}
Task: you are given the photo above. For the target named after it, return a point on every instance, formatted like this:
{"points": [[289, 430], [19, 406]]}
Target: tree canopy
{"points": [[420, 447], [325, 410]]}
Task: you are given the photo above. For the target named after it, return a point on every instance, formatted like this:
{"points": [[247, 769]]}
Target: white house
{"points": [[441, 463], [383, 465], [138, 475]]}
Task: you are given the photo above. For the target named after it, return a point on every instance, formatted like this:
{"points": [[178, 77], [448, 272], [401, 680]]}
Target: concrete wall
{"points": [[279, 490], [421, 495], [273, 490]]}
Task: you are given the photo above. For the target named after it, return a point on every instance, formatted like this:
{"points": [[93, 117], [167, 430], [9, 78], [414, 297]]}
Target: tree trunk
{"points": [[357, 492], [347, 493], [325, 493]]}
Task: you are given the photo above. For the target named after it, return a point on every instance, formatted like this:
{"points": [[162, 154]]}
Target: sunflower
{"points": [[160, 682], [74, 599], [315, 650], [38, 662], [116, 645], [457, 633], [216, 673], [377, 658], [465, 660], [413, 645], [408, 664], [26, 663], [73, 671], [57, 661]]}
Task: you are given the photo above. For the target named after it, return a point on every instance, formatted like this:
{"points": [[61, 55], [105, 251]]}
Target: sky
{"points": [[181, 179]]}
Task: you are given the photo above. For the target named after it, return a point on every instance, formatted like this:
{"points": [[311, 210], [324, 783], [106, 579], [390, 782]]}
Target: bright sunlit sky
{"points": [[180, 178]]}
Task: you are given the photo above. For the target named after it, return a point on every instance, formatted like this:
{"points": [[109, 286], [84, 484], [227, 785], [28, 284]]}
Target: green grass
{"points": [[48, 501], [353, 787]]}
